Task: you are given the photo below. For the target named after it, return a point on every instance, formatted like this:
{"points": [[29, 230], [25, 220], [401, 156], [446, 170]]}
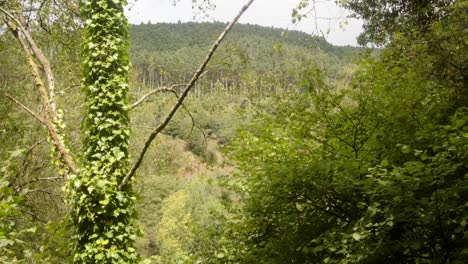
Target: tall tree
{"points": [[102, 213]]}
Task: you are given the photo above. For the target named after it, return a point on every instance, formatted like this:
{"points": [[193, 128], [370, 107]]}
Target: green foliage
{"points": [[386, 19], [207, 203], [55, 243], [174, 236], [402, 102], [416, 211], [191, 222], [11, 243], [346, 164], [8, 209], [290, 188], [342, 175], [103, 215], [173, 37], [152, 191], [429, 33]]}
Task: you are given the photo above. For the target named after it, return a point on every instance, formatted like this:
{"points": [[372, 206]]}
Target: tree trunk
{"points": [[102, 213]]}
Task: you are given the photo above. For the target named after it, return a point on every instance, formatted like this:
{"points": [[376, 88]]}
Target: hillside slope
{"points": [[168, 53]]}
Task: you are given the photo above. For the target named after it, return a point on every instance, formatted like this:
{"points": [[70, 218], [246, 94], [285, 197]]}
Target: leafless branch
{"points": [[20, 27], [161, 89], [31, 112], [72, 7], [66, 158], [47, 95], [158, 90], [41, 190], [184, 94], [26, 163], [41, 179]]}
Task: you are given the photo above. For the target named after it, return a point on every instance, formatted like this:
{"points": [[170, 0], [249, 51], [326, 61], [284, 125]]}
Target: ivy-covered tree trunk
{"points": [[102, 214]]}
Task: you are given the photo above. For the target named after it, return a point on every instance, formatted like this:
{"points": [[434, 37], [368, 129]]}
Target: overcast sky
{"points": [[276, 13]]}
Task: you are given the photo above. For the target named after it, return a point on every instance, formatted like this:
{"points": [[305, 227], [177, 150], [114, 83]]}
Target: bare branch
{"points": [[29, 152], [161, 89], [184, 94], [37, 52], [22, 185], [66, 158], [41, 190], [42, 121], [16, 28], [72, 7], [47, 70], [20, 32]]}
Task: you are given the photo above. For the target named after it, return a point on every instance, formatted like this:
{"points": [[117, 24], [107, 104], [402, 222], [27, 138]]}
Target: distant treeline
{"points": [[168, 53]]}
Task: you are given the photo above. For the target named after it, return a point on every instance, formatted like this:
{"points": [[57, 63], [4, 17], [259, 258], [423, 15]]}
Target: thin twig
{"points": [[179, 103], [26, 162], [66, 158], [31, 112], [41, 179], [187, 110], [161, 89]]}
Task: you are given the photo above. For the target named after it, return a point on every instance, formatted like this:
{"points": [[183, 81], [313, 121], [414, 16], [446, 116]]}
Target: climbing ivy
{"points": [[102, 214]]}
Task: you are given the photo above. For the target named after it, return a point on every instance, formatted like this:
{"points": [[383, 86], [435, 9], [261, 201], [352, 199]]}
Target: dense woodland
{"points": [[286, 150]]}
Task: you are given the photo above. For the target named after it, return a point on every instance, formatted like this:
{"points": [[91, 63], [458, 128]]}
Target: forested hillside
{"points": [[161, 37], [286, 149], [165, 53]]}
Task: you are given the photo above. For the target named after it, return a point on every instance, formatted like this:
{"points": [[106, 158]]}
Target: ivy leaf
{"points": [[356, 236], [104, 202]]}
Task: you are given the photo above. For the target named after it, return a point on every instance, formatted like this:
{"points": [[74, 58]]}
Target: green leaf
{"points": [[104, 202], [356, 236], [384, 163]]}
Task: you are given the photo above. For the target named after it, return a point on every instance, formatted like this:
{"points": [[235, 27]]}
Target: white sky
{"points": [[276, 13]]}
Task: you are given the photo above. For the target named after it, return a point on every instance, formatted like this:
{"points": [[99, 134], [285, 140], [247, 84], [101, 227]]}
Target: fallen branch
{"points": [[184, 94]]}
